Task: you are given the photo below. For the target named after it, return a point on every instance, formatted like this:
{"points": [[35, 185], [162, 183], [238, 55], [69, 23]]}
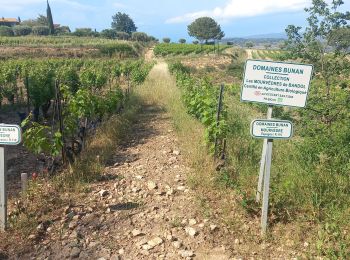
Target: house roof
{"points": [[9, 20]]}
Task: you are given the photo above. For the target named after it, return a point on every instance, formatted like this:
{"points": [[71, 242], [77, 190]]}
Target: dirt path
{"points": [[249, 54], [144, 211]]}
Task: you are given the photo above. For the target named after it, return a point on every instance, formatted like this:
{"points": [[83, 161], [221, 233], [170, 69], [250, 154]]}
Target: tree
{"points": [[123, 36], [195, 42], [249, 45], [109, 34], [325, 124], [182, 41], [204, 29], [6, 31], [166, 40], [340, 39], [123, 23], [267, 45], [49, 19], [42, 20], [41, 30], [21, 30]]}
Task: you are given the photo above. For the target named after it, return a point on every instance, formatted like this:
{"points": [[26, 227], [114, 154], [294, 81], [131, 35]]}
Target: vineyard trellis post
{"points": [[60, 119], [218, 114], [27, 89]]}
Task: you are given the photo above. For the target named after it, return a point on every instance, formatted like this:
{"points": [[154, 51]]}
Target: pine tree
{"points": [[49, 19]]}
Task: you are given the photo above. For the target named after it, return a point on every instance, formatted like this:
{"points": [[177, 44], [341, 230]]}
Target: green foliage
{"points": [[139, 72], [6, 31], [21, 30], [86, 87], [325, 125], [109, 34], [333, 242], [39, 138], [140, 37], [117, 48], [84, 32], [123, 23], [204, 29], [40, 30], [200, 97], [164, 49], [62, 30], [123, 36], [249, 45], [182, 40]]}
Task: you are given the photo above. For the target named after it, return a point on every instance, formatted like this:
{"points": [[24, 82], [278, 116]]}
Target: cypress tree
{"points": [[49, 19]]}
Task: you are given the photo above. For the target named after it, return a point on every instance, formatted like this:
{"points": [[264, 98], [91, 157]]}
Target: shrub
{"points": [[21, 30], [140, 37], [123, 36], [6, 31], [182, 41], [195, 42], [84, 32], [109, 34], [40, 30], [62, 30]]}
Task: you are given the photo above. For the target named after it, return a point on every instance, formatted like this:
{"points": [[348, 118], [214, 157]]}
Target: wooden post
{"points": [[59, 110], [218, 113], [24, 181], [27, 89]]}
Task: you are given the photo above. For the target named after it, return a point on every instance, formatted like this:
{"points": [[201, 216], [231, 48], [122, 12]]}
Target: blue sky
{"points": [[164, 18]]}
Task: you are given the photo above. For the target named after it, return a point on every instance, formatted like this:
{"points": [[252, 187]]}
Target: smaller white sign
{"points": [[271, 129], [10, 134]]}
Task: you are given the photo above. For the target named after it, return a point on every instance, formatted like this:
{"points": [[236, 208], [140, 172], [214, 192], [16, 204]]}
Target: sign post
{"points": [[262, 161], [9, 135], [3, 194], [275, 84]]}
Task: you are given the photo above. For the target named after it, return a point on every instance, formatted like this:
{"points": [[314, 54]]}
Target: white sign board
{"points": [[10, 134], [276, 83], [271, 129]]}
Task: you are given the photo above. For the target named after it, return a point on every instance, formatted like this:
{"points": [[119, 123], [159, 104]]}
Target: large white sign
{"points": [[271, 129], [276, 83], [10, 134]]}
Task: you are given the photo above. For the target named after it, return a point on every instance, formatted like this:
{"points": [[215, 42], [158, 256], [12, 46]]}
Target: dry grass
{"points": [[160, 90]]}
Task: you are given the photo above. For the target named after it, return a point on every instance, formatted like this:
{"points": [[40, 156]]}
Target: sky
{"points": [[165, 18]]}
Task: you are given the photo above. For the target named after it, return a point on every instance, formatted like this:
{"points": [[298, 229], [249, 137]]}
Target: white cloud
{"points": [[244, 8]]}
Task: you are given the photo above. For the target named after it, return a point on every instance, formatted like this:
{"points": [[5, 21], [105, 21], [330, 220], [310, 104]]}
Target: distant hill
{"points": [[281, 35], [273, 39]]}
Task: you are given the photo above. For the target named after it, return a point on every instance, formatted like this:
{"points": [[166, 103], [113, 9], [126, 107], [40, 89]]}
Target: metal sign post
{"points": [[9, 135], [265, 205], [3, 192], [263, 161]]}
